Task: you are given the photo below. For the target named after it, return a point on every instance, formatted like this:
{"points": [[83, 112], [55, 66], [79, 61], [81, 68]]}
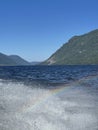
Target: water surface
{"points": [[28, 103]]}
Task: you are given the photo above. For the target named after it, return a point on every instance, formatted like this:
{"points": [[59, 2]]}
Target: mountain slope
{"points": [[5, 60], [12, 60], [19, 60], [78, 50]]}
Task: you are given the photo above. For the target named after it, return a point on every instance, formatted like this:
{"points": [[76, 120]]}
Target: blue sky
{"points": [[34, 29]]}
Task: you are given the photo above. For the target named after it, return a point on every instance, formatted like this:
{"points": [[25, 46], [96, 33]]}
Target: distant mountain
{"points": [[19, 60], [12, 60], [5, 60], [79, 50]]}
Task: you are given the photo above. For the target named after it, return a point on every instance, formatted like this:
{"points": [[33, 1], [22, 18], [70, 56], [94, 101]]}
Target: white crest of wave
{"points": [[27, 108]]}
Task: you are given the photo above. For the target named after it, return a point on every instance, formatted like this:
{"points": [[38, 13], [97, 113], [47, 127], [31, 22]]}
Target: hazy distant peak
{"points": [[19, 60]]}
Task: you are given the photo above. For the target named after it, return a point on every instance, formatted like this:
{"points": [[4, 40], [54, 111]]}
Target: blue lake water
{"points": [[51, 74], [28, 103]]}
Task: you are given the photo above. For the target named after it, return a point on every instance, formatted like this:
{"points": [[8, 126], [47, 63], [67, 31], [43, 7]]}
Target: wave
{"points": [[72, 107]]}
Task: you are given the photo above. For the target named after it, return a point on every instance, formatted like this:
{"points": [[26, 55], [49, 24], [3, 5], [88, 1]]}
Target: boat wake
{"points": [[73, 107]]}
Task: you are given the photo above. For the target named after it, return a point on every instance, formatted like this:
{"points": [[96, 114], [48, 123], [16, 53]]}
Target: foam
{"points": [[68, 108]]}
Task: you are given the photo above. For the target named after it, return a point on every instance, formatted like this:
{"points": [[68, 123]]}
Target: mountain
{"points": [[12, 60], [79, 50], [19, 60], [5, 60]]}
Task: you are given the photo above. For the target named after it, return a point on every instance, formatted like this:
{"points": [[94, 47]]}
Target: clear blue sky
{"points": [[34, 29]]}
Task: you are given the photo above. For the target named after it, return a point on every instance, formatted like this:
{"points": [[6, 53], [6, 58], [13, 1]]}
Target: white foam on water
{"points": [[27, 108]]}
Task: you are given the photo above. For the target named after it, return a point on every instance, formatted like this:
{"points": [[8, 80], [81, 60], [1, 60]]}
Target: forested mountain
{"points": [[79, 50], [12, 60]]}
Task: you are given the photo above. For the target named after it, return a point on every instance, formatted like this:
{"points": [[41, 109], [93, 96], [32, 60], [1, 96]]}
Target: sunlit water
{"points": [[72, 106]]}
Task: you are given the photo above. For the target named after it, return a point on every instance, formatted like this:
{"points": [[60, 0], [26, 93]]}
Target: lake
{"points": [[49, 97]]}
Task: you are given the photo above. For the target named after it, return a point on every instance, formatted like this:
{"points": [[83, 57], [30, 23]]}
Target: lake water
{"points": [[49, 98]]}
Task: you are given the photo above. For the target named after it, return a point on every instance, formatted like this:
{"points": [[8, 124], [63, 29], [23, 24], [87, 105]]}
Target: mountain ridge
{"points": [[5, 60], [12, 60], [79, 50], [19, 60], [15, 60]]}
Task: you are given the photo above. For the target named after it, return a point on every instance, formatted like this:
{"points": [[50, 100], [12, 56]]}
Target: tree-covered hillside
{"points": [[5, 60], [78, 50], [12, 60]]}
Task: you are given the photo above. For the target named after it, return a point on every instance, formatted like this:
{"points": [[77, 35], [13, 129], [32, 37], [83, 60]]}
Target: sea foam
{"points": [[73, 107]]}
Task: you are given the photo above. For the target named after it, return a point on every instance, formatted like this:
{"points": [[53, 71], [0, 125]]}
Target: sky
{"points": [[35, 29]]}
